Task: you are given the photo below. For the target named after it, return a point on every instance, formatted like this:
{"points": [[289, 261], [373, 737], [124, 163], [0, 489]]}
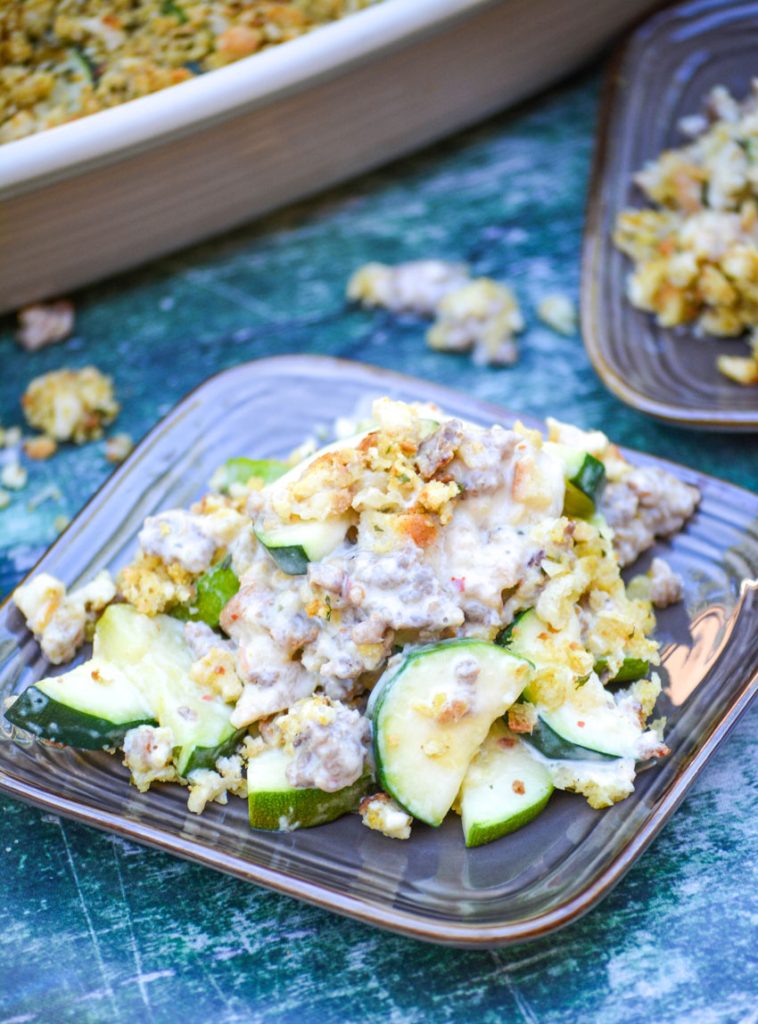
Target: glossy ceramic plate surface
{"points": [[430, 887], [665, 72]]}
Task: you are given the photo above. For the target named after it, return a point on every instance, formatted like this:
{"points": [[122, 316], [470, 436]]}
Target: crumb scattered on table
{"points": [[413, 287], [479, 315], [559, 312], [40, 448], [13, 476], [117, 447], [71, 405], [10, 437], [44, 323], [482, 316]]}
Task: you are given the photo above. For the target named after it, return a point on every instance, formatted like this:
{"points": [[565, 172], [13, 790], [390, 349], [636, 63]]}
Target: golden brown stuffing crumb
{"points": [[71, 405], [151, 586]]}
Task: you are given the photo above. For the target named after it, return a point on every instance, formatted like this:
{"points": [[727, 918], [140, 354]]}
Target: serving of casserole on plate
{"points": [[431, 887]]}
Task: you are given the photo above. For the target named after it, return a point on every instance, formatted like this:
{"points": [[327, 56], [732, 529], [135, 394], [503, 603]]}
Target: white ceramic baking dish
{"points": [[89, 198]]}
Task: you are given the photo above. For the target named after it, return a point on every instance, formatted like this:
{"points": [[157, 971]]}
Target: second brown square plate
{"points": [[665, 71]]}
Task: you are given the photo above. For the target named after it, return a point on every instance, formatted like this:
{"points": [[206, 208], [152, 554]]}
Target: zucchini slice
{"points": [[294, 545], [92, 707], [153, 652], [603, 730], [432, 712], [526, 638], [274, 805], [504, 788], [215, 588], [585, 479], [145, 663], [554, 747], [241, 469], [631, 670]]}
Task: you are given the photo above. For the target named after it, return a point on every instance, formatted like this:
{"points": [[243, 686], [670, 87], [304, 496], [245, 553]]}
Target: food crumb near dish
{"points": [[148, 754], [44, 323], [13, 476], [471, 314], [695, 252], [10, 437], [382, 814], [558, 311], [71, 405], [413, 287], [118, 447], [40, 448], [5, 498], [482, 316], [207, 785], [666, 586], [60, 61]]}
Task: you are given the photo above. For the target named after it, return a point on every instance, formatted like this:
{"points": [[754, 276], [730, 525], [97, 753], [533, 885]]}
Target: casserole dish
{"points": [[92, 197]]}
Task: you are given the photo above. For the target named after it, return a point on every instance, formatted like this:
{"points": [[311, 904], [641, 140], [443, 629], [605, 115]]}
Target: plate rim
{"points": [[450, 933], [591, 328]]}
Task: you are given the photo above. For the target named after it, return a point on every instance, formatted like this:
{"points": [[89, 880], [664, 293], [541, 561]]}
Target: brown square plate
{"points": [[430, 887], [665, 71]]}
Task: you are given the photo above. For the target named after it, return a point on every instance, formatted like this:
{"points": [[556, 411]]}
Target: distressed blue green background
{"points": [[93, 928]]}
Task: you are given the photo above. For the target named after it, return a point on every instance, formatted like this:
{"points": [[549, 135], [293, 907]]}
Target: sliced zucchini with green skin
{"points": [[241, 469], [505, 637], [555, 748], [585, 479], [274, 805], [525, 638], [153, 651], [145, 663], [504, 789], [631, 670], [215, 588], [92, 707], [424, 736], [294, 545], [605, 730], [206, 757]]}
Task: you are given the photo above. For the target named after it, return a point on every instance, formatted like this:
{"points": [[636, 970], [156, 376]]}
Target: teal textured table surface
{"points": [[93, 928]]}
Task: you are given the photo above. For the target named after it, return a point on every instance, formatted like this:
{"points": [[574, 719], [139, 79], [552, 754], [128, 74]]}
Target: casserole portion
{"points": [[423, 616]]}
